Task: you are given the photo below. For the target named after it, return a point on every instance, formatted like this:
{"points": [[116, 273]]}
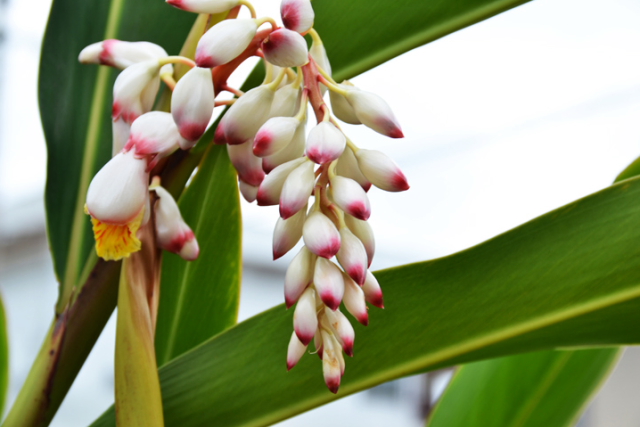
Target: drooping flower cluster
{"points": [[278, 163]]}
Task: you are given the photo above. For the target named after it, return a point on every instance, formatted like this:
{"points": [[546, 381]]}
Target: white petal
{"points": [[327, 279], [299, 276], [381, 171], [285, 48], [285, 101], [172, 232], [354, 300], [297, 189], [274, 135], [364, 232], [247, 114], [248, 191], [342, 329], [225, 41], [154, 133], [297, 15], [295, 351], [320, 235], [249, 167], [341, 107], [120, 134], [287, 233], [332, 369], [325, 143], [348, 166], [350, 197], [192, 103], [374, 112], [352, 256], [305, 321], [293, 150], [271, 186], [133, 89], [372, 291]]}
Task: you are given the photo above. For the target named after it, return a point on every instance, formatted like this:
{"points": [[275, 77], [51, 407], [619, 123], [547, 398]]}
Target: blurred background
{"points": [[504, 121]]}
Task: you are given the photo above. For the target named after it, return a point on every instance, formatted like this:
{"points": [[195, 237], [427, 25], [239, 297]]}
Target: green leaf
{"points": [[200, 299], [4, 358], [75, 105], [569, 278], [545, 389]]}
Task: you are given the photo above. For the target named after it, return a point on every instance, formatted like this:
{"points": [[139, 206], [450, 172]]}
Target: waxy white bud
{"points": [[204, 6], [320, 235], [319, 54], [354, 300], [285, 101], [350, 197], [295, 351], [248, 166], [274, 135], [154, 135], [327, 279], [119, 191], [135, 90], [271, 187], [364, 233], [297, 15], [381, 171], [285, 48], [173, 234], [317, 343], [247, 115], [121, 54], [352, 256], [372, 291], [374, 113], [325, 143], [120, 134], [296, 190], [192, 104], [341, 107], [305, 320], [294, 150], [348, 166], [342, 329], [248, 191], [332, 366], [299, 276], [225, 41], [287, 233]]}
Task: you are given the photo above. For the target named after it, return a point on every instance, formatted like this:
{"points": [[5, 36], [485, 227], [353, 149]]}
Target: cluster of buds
{"points": [[277, 162]]}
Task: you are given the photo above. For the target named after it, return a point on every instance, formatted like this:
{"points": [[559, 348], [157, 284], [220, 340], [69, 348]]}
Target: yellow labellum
{"points": [[114, 242]]}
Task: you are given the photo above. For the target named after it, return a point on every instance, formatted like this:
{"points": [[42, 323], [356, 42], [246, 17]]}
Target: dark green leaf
{"points": [[4, 358]]}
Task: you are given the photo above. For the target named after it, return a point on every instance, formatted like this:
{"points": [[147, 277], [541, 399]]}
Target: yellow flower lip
{"points": [[113, 241]]}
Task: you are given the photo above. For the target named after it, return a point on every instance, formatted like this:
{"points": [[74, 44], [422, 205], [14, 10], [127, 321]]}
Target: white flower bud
{"points": [[296, 190], [348, 166], [332, 368], [354, 300], [135, 90], [274, 135], [341, 107], [121, 54], [374, 112], [173, 234], [325, 143], [247, 115], [320, 235], [285, 48], [317, 343], [287, 233], [285, 101], [192, 104], [327, 279], [299, 276], [271, 186], [154, 134], [352, 256], [350, 197], [381, 171], [319, 55], [297, 15], [293, 150], [342, 330], [295, 351], [372, 291], [248, 191], [364, 233], [204, 6], [248, 166], [225, 41], [118, 192], [305, 320], [120, 134]]}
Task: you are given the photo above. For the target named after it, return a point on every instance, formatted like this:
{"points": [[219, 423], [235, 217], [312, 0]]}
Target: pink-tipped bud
{"points": [[271, 187], [173, 234], [248, 191], [352, 256], [348, 166], [134, 90], [327, 278], [381, 171], [342, 329], [121, 54], [285, 101], [374, 113], [350, 197], [225, 41], [297, 15], [295, 351], [248, 166], [325, 143], [285, 48], [305, 321], [204, 6], [299, 276], [287, 233], [154, 135], [332, 367], [293, 150], [274, 135], [296, 190], [120, 134], [218, 135], [364, 233], [192, 104], [247, 114], [354, 300], [341, 107], [372, 291], [320, 235], [118, 192]]}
